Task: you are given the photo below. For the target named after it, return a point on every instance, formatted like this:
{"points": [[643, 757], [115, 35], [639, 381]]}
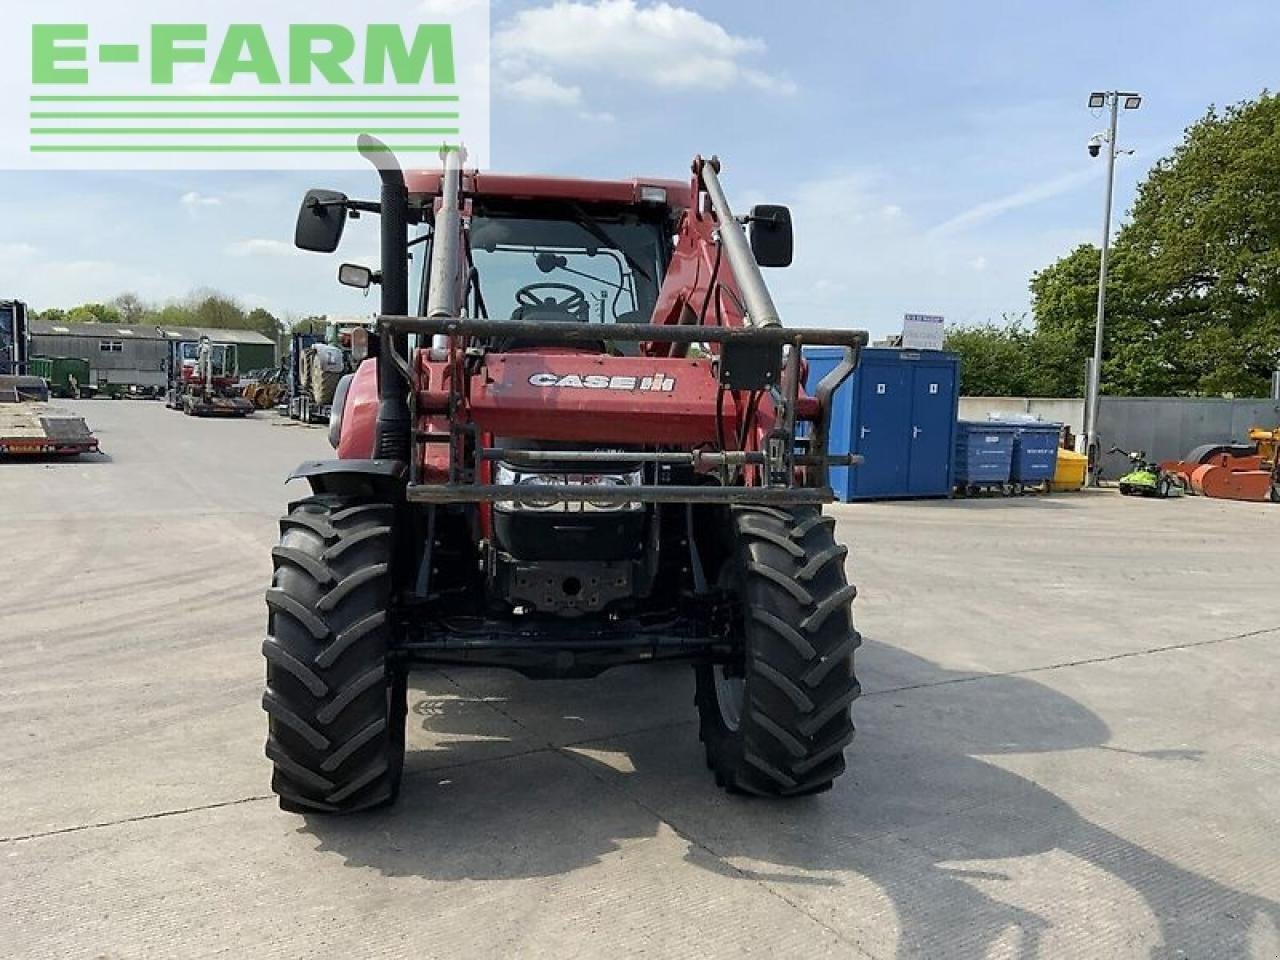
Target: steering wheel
{"points": [[574, 303]]}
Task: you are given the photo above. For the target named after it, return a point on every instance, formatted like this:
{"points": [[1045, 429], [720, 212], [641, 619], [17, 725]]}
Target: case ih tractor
{"points": [[584, 444]]}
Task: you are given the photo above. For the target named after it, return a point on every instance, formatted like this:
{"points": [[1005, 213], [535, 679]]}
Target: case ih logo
{"points": [[658, 383]]}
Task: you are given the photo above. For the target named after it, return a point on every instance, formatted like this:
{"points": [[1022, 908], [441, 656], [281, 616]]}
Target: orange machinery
{"points": [[1234, 471]]}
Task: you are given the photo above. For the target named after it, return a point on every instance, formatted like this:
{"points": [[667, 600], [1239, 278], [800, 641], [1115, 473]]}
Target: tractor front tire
{"points": [[335, 700], [775, 719]]}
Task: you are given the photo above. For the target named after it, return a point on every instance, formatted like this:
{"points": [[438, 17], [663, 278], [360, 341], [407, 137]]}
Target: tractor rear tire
{"points": [[776, 719], [335, 700]]}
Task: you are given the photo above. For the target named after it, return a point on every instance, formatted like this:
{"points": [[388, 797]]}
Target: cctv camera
{"points": [[1095, 144]]}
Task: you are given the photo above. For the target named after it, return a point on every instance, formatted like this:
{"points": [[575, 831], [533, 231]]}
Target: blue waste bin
{"points": [[984, 454], [1035, 453]]}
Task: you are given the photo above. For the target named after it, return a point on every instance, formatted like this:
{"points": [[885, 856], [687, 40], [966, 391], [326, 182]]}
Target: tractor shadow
{"points": [[499, 794]]}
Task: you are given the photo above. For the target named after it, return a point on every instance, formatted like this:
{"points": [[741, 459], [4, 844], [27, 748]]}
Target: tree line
{"points": [[204, 308], [1193, 287]]}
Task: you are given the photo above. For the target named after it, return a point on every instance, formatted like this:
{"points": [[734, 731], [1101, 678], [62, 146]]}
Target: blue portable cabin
{"points": [[898, 411]]}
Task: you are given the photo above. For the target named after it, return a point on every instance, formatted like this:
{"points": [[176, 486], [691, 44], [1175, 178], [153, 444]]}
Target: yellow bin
{"points": [[1070, 472]]}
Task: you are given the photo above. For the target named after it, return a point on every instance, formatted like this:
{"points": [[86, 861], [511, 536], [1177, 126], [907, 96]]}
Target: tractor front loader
{"points": [[587, 444]]}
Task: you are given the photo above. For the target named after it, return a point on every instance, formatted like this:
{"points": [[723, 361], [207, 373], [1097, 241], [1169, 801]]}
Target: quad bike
{"points": [[1147, 478], [587, 445]]}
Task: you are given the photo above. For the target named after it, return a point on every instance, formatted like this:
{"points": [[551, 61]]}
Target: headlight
{"points": [[609, 480], [507, 475]]}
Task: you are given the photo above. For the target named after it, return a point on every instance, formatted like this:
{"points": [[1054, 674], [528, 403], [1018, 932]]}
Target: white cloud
{"points": [[261, 247], [541, 88], [863, 258], [65, 283], [662, 45], [193, 200], [10, 252], [1035, 193]]}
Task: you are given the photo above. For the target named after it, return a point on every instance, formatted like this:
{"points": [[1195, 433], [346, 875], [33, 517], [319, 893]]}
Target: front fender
{"points": [[374, 479], [359, 416]]}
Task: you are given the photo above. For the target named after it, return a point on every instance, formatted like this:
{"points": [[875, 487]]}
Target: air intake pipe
{"points": [[394, 429]]}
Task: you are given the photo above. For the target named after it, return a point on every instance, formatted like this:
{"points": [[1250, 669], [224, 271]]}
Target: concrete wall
{"points": [[1168, 428]]}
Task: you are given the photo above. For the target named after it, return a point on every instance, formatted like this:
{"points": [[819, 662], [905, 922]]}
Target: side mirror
{"points": [[321, 220], [772, 241], [355, 275], [547, 262]]}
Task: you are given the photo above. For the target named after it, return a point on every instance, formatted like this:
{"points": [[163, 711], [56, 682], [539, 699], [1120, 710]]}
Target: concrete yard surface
{"points": [[1068, 746]]}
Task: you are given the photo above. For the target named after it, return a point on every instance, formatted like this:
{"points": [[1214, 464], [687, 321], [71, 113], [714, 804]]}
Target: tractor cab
{"points": [[221, 361]]}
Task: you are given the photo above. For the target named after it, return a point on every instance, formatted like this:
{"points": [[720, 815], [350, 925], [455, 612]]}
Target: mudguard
{"points": [[376, 479]]}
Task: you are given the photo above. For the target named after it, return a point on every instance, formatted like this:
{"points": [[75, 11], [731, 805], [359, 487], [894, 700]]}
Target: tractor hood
{"points": [[592, 398]]}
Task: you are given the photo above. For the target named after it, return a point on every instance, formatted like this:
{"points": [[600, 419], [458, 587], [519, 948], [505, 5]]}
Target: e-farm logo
{"points": [[149, 86]]}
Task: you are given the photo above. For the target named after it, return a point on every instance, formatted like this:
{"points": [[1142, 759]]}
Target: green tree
{"points": [[312, 324], [993, 358], [1193, 293], [264, 322], [52, 315], [131, 308], [93, 313], [213, 309]]}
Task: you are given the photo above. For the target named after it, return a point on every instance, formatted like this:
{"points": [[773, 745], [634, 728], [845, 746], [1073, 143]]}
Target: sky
{"points": [[933, 153]]}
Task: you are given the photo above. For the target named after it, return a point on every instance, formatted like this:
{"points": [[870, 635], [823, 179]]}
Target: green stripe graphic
{"points": [[224, 115], [264, 98], [241, 131], [230, 148]]}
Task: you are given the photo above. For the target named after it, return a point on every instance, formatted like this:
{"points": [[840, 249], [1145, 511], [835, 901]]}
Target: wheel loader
{"points": [[585, 442]]}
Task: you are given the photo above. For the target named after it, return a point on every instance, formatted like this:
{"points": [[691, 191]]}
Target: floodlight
{"points": [[1097, 100], [1132, 102]]}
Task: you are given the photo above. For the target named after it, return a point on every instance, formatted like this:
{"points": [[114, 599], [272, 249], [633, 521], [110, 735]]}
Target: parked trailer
{"points": [[31, 426]]}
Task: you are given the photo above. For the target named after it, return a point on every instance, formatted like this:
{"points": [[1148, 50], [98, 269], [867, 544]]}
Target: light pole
{"points": [[1132, 101]]}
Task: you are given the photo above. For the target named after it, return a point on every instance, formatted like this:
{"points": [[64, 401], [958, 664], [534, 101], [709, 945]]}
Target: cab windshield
{"points": [[590, 269], [221, 356]]}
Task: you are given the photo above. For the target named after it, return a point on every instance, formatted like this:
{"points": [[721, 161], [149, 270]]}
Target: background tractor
{"points": [[584, 443]]}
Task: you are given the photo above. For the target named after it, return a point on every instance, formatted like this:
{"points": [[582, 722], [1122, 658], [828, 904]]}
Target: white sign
{"points": [[922, 331], [242, 84]]}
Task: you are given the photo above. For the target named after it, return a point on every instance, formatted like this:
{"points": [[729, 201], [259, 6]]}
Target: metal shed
{"points": [[122, 355]]}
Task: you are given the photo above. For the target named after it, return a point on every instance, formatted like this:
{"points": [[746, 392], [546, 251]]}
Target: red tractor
{"points": [[584, 443]]}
